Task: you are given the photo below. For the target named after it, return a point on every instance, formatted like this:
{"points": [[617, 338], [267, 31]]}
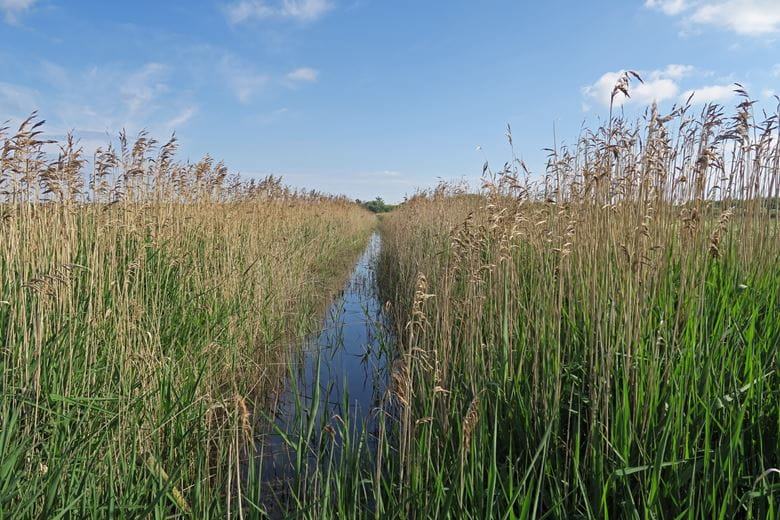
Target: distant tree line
{"points": [[769, 204], [377, 205]]}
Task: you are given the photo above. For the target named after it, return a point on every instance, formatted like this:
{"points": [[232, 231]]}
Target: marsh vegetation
{"points": [[148, 309], [599, 341]]}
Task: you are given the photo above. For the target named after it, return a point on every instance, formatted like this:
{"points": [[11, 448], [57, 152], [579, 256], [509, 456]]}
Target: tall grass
{"points": [[146, 308], [600, 343]]}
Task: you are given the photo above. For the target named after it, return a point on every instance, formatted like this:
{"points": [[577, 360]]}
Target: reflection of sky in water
{"points": [[347, 354], [347, 344]]}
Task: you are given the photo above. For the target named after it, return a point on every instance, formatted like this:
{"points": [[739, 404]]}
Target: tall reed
{"points": [[147, 307], [600, 342]]}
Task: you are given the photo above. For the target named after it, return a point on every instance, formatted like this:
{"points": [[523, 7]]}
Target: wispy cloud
{"points": [[675, 71], [140, 87], [242, 79], [659, 85], [221, 71], [267, 118], [181, 118], [304, 75], [747, 17], [11, 9], [301, 10], [670, 7], [101, 99], [17, 100]]}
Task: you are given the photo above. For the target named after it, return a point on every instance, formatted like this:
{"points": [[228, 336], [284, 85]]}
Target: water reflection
{"points": [[338, 380]]}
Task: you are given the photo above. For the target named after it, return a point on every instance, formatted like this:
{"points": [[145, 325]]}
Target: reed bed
{"points": [[147, 308], [598, 343]]}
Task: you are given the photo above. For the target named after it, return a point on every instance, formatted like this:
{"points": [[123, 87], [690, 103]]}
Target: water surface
{"points": [[340, 373]]}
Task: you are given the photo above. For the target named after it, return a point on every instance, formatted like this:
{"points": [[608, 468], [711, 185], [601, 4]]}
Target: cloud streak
{"points": [[181, 118], [303, 75], [300, 10], [142, 86], [242, 80], [100, 100], [16, 99]]}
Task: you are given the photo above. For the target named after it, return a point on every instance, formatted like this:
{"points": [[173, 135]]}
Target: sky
{"points": [[371, 97]]}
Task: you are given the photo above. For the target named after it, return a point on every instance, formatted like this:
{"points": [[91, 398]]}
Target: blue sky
{"points": [[370, 97]]}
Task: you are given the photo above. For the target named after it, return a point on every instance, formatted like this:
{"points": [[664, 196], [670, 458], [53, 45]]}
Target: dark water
{"points": [[338, 379]]}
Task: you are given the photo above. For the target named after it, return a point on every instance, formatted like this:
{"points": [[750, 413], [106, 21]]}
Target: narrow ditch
{"points": [[334, 389]]}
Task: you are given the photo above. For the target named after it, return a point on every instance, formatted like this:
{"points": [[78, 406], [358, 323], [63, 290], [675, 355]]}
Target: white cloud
{"points": [[659, 85], [768, 93], [742, 16], [670, 7], [12, 8], [303, 74], [302, 10], [659, 89], [675, 71], [710, 94], [748, 17], [776, 71]]}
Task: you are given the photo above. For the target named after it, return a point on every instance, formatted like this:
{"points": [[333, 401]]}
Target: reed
{"points": [[147, 309], [600, 342]]}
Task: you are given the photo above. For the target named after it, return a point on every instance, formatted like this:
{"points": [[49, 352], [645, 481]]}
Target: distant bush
{"points": [[377, 205]]}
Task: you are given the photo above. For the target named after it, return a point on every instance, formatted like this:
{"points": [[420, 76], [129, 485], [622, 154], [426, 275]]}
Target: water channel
{"points": [[335, 383]]}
